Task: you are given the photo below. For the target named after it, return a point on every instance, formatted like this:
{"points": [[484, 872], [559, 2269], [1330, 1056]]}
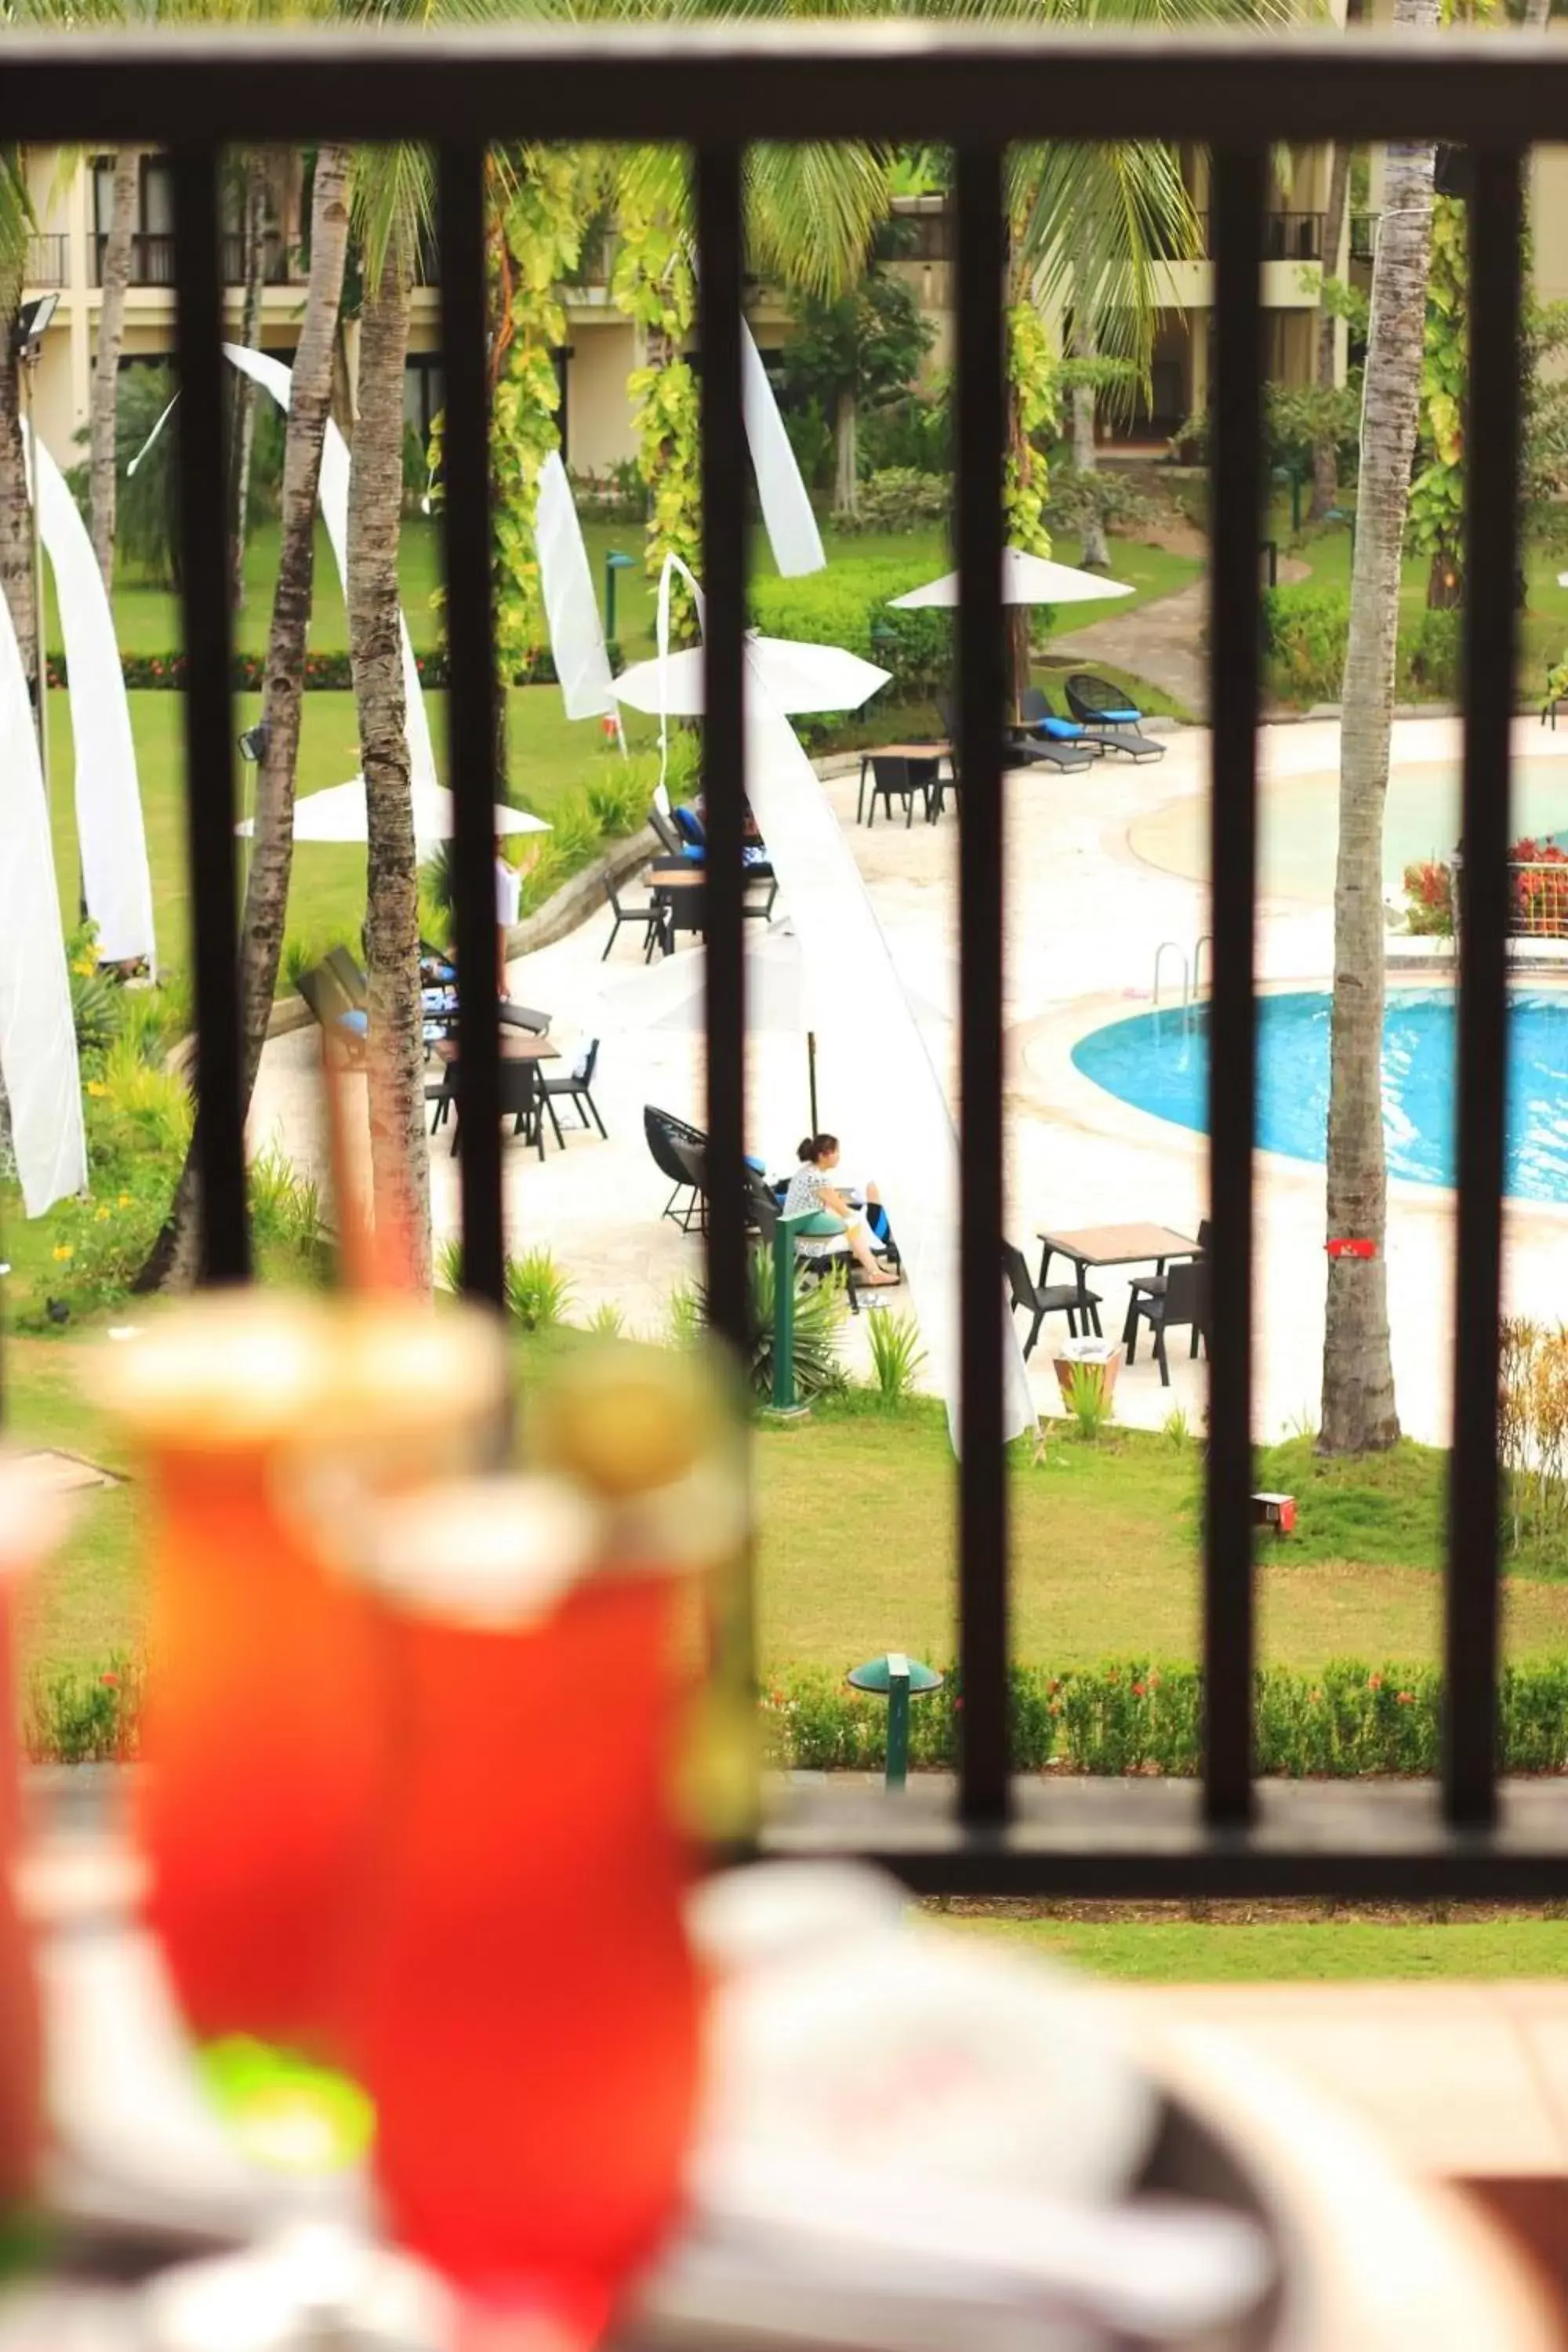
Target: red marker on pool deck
{"points": [[1346, 1245]]}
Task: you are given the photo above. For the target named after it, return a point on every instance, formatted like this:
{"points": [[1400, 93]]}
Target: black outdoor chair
{"points": [[669, 838], [897, 778], [573, 1088], [662, 1131], [1044, 725], [827, 1259], [1055, 1299], [349, 975], [1116, 724], [1184, 1300], [650, 915], [1152, 1286], [339, 1019], [522, 1016], [520, 1102], [1021, 752]]}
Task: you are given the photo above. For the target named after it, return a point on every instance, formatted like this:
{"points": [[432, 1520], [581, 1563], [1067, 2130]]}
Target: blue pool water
{"points": [[1159, 1063]]}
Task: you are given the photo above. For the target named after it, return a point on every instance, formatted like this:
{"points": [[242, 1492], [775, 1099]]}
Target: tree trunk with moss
{"points": [[253, 237], [1359, 1414], [174, 1258], [1325, 458], [399, 1161], [17, 582], [114, 276]]}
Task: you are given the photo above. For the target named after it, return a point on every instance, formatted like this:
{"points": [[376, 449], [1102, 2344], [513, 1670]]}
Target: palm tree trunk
{"points": [[1358, 1408], [847, 451], [1085, 455], [254, 234], [399, 1165], [1325, 461], [17, 581], [173, 1259], [115, 276]]}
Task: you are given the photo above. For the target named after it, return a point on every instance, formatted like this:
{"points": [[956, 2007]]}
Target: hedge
{"points": [[848, 606], [1130, 1716], [1123, 1716], [323, 672], [1306, 630]]}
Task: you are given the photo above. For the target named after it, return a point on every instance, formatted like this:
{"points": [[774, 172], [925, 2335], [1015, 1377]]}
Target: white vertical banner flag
{"points": [[37, 1033], [571, 607], [116, 879], [274, 378], [904, 1127], [786, 509]]}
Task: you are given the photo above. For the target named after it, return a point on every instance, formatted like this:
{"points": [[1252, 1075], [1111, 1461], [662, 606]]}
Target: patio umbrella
{"points": [[1025, 579], [795, 677], [781, 998], [339, 815]]}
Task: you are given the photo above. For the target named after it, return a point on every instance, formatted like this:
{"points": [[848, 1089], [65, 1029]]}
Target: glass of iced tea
{"points": [[263, 1724], [526, 2005]]}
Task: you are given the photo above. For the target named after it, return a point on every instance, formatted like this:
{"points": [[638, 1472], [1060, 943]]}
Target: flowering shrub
{"points": [[1130, 1716], [1429, 899], [75, 1718]]}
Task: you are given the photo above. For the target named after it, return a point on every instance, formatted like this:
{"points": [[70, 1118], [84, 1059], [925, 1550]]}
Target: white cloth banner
{"points": [[117, 882], [37, 1033], [570, 608], [786, 510], [274, 378]]}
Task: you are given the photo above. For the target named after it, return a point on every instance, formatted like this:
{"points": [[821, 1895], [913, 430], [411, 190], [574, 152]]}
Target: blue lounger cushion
{"points": [[1058, 730]]}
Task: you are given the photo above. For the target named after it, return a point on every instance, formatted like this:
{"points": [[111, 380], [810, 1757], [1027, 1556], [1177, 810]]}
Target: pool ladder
{"points": [[1192, 973]]}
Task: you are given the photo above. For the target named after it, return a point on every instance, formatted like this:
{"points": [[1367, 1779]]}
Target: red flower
{"points": [[1406, 1698], [1137, 1690], [109, 1682], [1375, 1682]]}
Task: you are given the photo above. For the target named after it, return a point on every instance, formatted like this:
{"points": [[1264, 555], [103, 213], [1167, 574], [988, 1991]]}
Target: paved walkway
{"points": [[1163, 641], [1085, 915]]}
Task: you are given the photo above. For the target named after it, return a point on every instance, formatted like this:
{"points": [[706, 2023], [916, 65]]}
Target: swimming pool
{"points": [[1158, 1062]]}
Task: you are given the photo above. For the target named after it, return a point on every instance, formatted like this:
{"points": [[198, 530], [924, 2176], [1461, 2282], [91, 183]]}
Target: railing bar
{"points": [[471, 703], [877, 81], [1491, 527], [984, 1793], [219, 1138], [1238, 180], [725, 505]]}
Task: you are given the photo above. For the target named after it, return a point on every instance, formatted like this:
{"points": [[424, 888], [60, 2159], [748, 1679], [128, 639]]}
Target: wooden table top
{"points": [[689, 877], [516, 1046], [1120, 1244], [908, 751]]}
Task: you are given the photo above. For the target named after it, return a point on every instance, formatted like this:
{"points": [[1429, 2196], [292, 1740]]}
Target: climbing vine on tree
{"points": [[1032, 410], [539, 198], [652, 282], [1438, 492]]}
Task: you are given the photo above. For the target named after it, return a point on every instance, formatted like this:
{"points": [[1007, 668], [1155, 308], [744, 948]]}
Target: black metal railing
{"points": [[711, 88], [275, 258], [151, 258], [45, 259], [1287, 236]]}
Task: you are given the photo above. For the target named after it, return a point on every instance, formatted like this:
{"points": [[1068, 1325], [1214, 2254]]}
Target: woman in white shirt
{"points": [[825, 1210], [509, 900]]}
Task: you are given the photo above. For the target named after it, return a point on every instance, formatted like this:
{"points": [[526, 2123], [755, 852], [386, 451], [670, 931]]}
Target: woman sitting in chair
{"points": [[827, 1212]]}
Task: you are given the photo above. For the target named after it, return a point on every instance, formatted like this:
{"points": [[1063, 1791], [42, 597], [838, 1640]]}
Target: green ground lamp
{"points": [[898, 1679]]}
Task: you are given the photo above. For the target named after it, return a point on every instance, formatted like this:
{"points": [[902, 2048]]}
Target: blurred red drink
{"points": [[527, 2007], [263, 1733]]}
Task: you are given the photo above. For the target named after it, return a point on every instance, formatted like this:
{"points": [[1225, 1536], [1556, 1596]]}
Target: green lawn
{"points": [[1227, 1950], [856, 1513]]}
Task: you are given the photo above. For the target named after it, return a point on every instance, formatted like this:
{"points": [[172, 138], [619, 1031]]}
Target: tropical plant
{"points": [[447, 1265], [862, 350], [1087, 1398], [1359, 1414], [538, 1291], [17, 582], [606, 1321], [896, 1356], [174, 1260]]}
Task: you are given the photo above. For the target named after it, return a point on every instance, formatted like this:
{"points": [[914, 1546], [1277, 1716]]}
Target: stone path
{"points": [[1163, 641]]}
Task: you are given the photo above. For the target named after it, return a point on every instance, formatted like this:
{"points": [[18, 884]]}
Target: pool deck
{"points": [[1086, 915]]}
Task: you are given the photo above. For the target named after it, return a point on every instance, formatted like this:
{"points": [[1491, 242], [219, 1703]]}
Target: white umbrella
{"points": [[339, 815], [795, 677], [1025, 579]]}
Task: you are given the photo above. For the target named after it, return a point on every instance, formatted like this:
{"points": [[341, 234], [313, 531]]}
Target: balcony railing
{"points": [[275, 269], [711, 88], [46, 259], [151, 258]]}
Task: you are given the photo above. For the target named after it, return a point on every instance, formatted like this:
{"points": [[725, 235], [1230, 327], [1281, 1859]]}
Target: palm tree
{"points": [[113, 276], [272, 850], [17, 582], [1359, 1414], [253, 245], [1325, 458], [392, 202]]}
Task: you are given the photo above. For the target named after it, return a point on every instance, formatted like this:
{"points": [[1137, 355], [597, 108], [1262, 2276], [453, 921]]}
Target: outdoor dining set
{"points": [[1174, 1296], [1102, 721]]}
